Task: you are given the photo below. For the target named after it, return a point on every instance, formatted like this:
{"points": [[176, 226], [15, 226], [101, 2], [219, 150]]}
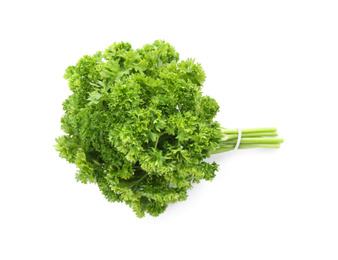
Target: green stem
{"points": [[257, 140], [251, 138], [158, 137], [235, 136], [139, 180], [230, 148], [249, 130]]}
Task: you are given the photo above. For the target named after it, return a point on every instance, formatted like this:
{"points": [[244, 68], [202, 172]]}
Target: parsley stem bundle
{"points": [[251, 138]]}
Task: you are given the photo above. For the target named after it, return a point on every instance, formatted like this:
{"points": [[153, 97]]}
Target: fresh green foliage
{"points": [[138, 125]]}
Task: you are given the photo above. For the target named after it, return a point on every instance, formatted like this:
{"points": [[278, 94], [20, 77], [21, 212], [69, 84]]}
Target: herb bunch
{"points": [[138, 125]]}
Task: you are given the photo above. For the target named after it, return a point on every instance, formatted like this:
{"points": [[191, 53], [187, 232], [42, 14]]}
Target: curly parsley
{"points": [[138, 125]]}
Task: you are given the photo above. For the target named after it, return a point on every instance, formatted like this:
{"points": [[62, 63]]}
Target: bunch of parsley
{"points": [[139, 127]]}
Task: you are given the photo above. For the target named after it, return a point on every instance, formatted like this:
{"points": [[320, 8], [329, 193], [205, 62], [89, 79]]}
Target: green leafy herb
{"points": [[139, 127]]}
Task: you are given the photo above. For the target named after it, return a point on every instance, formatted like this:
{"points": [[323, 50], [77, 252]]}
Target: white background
{"points": [[268, 63]]}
